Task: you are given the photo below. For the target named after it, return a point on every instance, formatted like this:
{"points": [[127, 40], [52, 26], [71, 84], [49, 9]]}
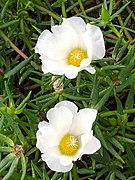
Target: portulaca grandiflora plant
{"points": [[67, 136], [70, 47]]}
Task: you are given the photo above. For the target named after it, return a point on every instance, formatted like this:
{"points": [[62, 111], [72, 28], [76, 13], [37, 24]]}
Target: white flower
{"points": [[70, 47], [67, 136]]}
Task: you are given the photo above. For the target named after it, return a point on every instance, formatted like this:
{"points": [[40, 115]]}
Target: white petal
{"points": [[53, 151], [76, 23], [73, 108], [39, 144], [90, 69], [92, 146], [85, 62], [54, 67], [71, 71], [41, 41], [46, 136], [60, 118], [66, 160], [58, 45], [87, 41], [44, 69], [55, 165], [83, 121], [98, 47]]}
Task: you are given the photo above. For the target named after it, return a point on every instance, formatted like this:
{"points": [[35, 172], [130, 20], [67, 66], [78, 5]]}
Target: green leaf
{"points": [[73, 97], [127, 70], [103, 99], [95, 91], [119, 174], [119, 105], [23, 162], [7, 140], [23, 102], [114, 153], [15, 126], [131, 178], [36, 169], [116, 47], [126, 83], [111, 3], [113, 67], [116, 164], [11, 169], [55, 176], [5, 166], [49, 103], [10, 97], [102, 172], [119, 11], [100, 136], [74, 172], [18, 67], [25, 75], [10, 23], [114, 141], [122, 51], [4, 9], [112, 176], [130, 156], [9, 157], [124, 139], [105, 16], [86, 171], [130, 98], [5, 149]]}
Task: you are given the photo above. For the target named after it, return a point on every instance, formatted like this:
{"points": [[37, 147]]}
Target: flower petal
{"points": [[92, 146], [66, 160], [90, 69], [87, 42], [54, 67], [55, 165], [57, 46], [46, 136], [73, 108], [98, 47], [85, 62], [53, 151], [83, 121], [41, 40], [76, 23], [71, 71], [60, 118], [44, 69]]}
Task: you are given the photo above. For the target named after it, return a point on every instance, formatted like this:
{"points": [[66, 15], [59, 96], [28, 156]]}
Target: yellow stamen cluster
{"points": [[69, 145], [76, 56]]}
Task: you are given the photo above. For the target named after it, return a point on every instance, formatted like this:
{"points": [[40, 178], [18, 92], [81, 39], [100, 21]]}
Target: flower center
{"points": [[69, 145], [76, 56]]}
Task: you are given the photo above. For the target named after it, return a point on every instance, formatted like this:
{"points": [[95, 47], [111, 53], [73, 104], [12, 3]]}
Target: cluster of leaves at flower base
{"points": [[26, 93]]}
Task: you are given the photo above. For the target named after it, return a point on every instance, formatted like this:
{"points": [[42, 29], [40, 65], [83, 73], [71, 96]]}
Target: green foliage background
{"points": [[26, 93]]}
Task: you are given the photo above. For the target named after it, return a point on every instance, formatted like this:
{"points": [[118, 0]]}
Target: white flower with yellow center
{"points": [[67, 136], [70, 47]]}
